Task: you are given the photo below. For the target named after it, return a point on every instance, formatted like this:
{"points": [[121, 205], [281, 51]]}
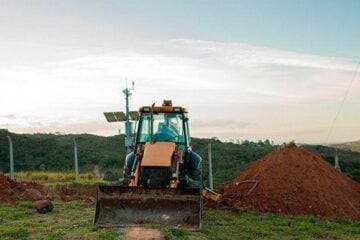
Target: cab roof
{"points": [[166, 108]]}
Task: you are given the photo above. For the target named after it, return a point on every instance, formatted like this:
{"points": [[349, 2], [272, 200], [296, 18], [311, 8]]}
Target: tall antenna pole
{"points": [[76, 162], [128, 124], [12, 173]]}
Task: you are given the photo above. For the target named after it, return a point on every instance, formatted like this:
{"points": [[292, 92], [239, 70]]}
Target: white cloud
{"points": [[230, 81]]}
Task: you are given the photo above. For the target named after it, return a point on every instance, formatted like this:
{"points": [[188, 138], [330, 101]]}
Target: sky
{"points": [[265, 69]]}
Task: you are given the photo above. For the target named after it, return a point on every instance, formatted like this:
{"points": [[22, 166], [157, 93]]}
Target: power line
{"points": [[343, 101]]}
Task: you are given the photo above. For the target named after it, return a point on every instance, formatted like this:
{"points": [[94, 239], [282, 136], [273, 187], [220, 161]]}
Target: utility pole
{"points": [[211, 185], [12, 173], [337, 165], [76, 162]]}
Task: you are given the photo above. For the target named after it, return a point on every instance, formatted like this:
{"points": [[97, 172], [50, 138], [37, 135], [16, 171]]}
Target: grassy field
{"points": [[73, 220], [56, 178], [52, 176]]}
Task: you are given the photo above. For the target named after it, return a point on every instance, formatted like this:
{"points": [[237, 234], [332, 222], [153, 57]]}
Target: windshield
{"points": [[168, 127]]}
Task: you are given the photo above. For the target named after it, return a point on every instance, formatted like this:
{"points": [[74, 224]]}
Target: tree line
{"points": [[54, 152]]}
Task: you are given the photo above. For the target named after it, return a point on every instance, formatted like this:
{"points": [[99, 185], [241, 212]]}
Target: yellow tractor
{"points": [[162, 175]]}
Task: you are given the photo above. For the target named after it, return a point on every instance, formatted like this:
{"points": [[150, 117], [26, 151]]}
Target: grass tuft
{"points": [[13, 232], [176, 233]]}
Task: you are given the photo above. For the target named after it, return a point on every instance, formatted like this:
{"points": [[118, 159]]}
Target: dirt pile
{"points": [[292, 181], [11, 191]]}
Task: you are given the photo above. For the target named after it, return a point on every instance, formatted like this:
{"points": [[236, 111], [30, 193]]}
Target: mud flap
{"points": [[126, 206]]}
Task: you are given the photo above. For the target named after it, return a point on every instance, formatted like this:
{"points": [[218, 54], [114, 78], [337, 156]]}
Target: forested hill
{"points": [[52, 152]]}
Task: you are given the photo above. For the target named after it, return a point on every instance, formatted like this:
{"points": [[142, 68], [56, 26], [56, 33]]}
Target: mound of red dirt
{"points": [[11, 191], [292, 181]]}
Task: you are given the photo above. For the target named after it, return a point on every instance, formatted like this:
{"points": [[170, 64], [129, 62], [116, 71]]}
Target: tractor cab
{"points": [[163, 124]]}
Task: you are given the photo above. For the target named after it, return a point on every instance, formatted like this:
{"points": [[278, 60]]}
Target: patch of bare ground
{"points": [[141, 233]]}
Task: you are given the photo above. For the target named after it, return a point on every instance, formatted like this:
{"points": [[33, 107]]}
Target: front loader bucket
{"points": [[126, 206]]}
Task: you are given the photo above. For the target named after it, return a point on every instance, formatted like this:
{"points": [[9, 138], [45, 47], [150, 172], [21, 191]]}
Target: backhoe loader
{"points": [[162, 175]]}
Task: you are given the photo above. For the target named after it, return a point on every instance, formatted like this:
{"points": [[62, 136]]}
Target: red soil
{"points": [[76, 192], [293, 181], [11, 191]]}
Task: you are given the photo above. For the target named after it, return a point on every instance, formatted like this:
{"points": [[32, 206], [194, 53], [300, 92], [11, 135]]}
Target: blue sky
{"points": [[329, 28], [320, 27], [271, 63], [323, 27]]}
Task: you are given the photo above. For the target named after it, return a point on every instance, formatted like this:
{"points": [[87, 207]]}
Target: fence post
{"points": [[76, 162], [12, 172], [211, 185]]}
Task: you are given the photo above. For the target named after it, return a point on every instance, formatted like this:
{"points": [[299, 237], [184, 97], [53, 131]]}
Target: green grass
{"points": [[55, 179], [93, 182], [73, 220], [219, 224]]}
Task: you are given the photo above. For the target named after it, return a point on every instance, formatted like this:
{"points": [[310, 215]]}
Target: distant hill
{"points": [[53, 152], [353, 146]]}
